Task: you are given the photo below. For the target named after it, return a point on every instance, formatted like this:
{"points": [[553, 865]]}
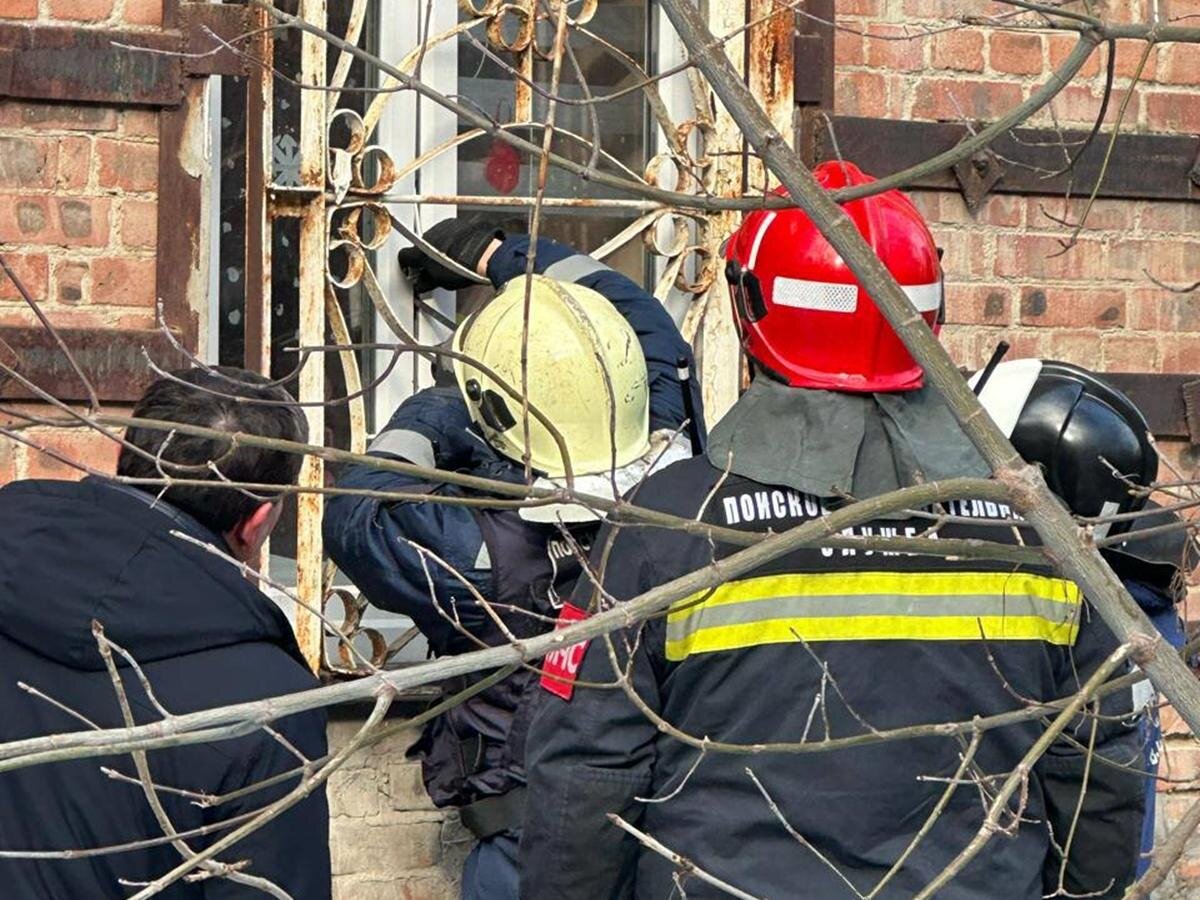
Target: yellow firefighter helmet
{"points": [[586, 374]]}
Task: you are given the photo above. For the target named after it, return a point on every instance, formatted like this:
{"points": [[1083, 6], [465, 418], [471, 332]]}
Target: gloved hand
{"points": [[462, 241]]}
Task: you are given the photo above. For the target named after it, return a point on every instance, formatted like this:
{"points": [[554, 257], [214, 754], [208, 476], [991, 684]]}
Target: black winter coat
{"points": [[73, 553], [824, 643]]}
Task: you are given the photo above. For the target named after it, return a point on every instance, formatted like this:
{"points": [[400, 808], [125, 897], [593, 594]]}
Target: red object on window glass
{"points": [[503, 168]]}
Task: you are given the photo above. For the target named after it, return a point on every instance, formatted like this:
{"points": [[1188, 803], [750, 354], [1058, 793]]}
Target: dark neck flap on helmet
{"points": [[834, 444]]}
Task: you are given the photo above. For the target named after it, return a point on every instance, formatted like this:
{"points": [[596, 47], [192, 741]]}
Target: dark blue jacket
{"points": [[501, 556], [73, 553]]}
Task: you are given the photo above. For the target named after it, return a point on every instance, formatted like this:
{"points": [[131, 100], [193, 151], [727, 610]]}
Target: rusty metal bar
{"points": [[93, 65], [259, 136], [313, 263], [715, 336], [770, 72], [181, 261], [48, 62]]}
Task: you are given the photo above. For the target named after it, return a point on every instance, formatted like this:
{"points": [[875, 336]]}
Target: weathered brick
{"points": [[425, 884], [1179, 64], [1173, 262], [1079, 347], [56, 116], [139, 223], [1079, 104], [849, 49], [1129, 57], [406, 788], [357, 845], [1173, 111], [357, 793], [959, 49], [1060, 46], [895, 48], [979, 304], [74, 162], [958, 98], [947, 9], [23, 317], [1006, 210], [27, 162], [861, 94], [8, 461], [1069, 308], [866, 8], [1015, 53], [140, 123], [34, 271], [1154, 309], [1129, 353], [138, 320], [121, 281], [143, 12], [70, 277], [1179, 769], [1172, 723], [63, 221], [1180, 354], [81, 10], [1041, 257], [1176, 217], [84, 447], [127, 165], [18, 9], [1104, 215], [964, 252]]}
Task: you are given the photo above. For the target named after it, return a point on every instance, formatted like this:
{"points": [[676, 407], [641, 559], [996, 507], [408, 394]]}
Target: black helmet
{"points": [[1079, 429], [1163, 557]]}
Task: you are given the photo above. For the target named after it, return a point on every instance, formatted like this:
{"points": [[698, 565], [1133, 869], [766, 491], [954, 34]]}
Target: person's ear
{"points": [[246, 538]]}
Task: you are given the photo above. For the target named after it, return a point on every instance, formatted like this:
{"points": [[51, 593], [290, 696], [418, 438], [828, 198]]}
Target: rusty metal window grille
{"points": [[334, 177]]}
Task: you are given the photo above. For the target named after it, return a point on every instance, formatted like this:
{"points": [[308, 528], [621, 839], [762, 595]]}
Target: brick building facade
{"points": [[81, 212]]}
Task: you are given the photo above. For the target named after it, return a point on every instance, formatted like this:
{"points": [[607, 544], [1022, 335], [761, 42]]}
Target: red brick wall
{"points": [[78, 208], [1006, 276]]}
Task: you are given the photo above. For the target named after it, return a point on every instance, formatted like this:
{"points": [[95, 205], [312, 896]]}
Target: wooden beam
{"points": [[1143, 166]]}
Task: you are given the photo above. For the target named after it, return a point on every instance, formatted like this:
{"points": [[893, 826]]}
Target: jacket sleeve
{"points": [[369, 539], [1107, 836], [292, 850], [662, 344], [590, 756]]}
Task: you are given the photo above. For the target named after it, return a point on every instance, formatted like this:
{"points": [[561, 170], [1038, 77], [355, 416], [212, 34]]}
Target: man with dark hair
{"points": [[108, 552]]}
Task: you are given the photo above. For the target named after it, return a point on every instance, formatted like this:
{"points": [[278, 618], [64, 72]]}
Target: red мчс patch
{"points": [[561, 666]]}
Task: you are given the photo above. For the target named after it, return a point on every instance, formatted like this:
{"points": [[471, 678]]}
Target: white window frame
{"points": [[435, 124]]}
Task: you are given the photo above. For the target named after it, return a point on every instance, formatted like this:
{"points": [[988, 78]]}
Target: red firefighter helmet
{"points": [[802, 314]]}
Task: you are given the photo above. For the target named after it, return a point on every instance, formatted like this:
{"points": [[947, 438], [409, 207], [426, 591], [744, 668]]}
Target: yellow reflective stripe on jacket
{"points": [[854, 606]]}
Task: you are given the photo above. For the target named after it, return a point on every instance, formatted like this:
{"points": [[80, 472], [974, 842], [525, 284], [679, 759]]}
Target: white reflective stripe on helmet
{"points": [[832, 296], [758, 239], [825, 296], [1007, 391], [925, 297]]}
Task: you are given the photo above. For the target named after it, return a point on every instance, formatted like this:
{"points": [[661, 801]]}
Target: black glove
{"points": [[462, 241]]}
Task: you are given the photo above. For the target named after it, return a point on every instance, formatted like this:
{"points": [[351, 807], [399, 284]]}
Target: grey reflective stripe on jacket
{"points": [[575, 268], [410, 445]]}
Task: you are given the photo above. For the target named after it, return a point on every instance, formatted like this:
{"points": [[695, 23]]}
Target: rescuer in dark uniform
{"points": [[1094, 447], [823, 642], [592, 334]]}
